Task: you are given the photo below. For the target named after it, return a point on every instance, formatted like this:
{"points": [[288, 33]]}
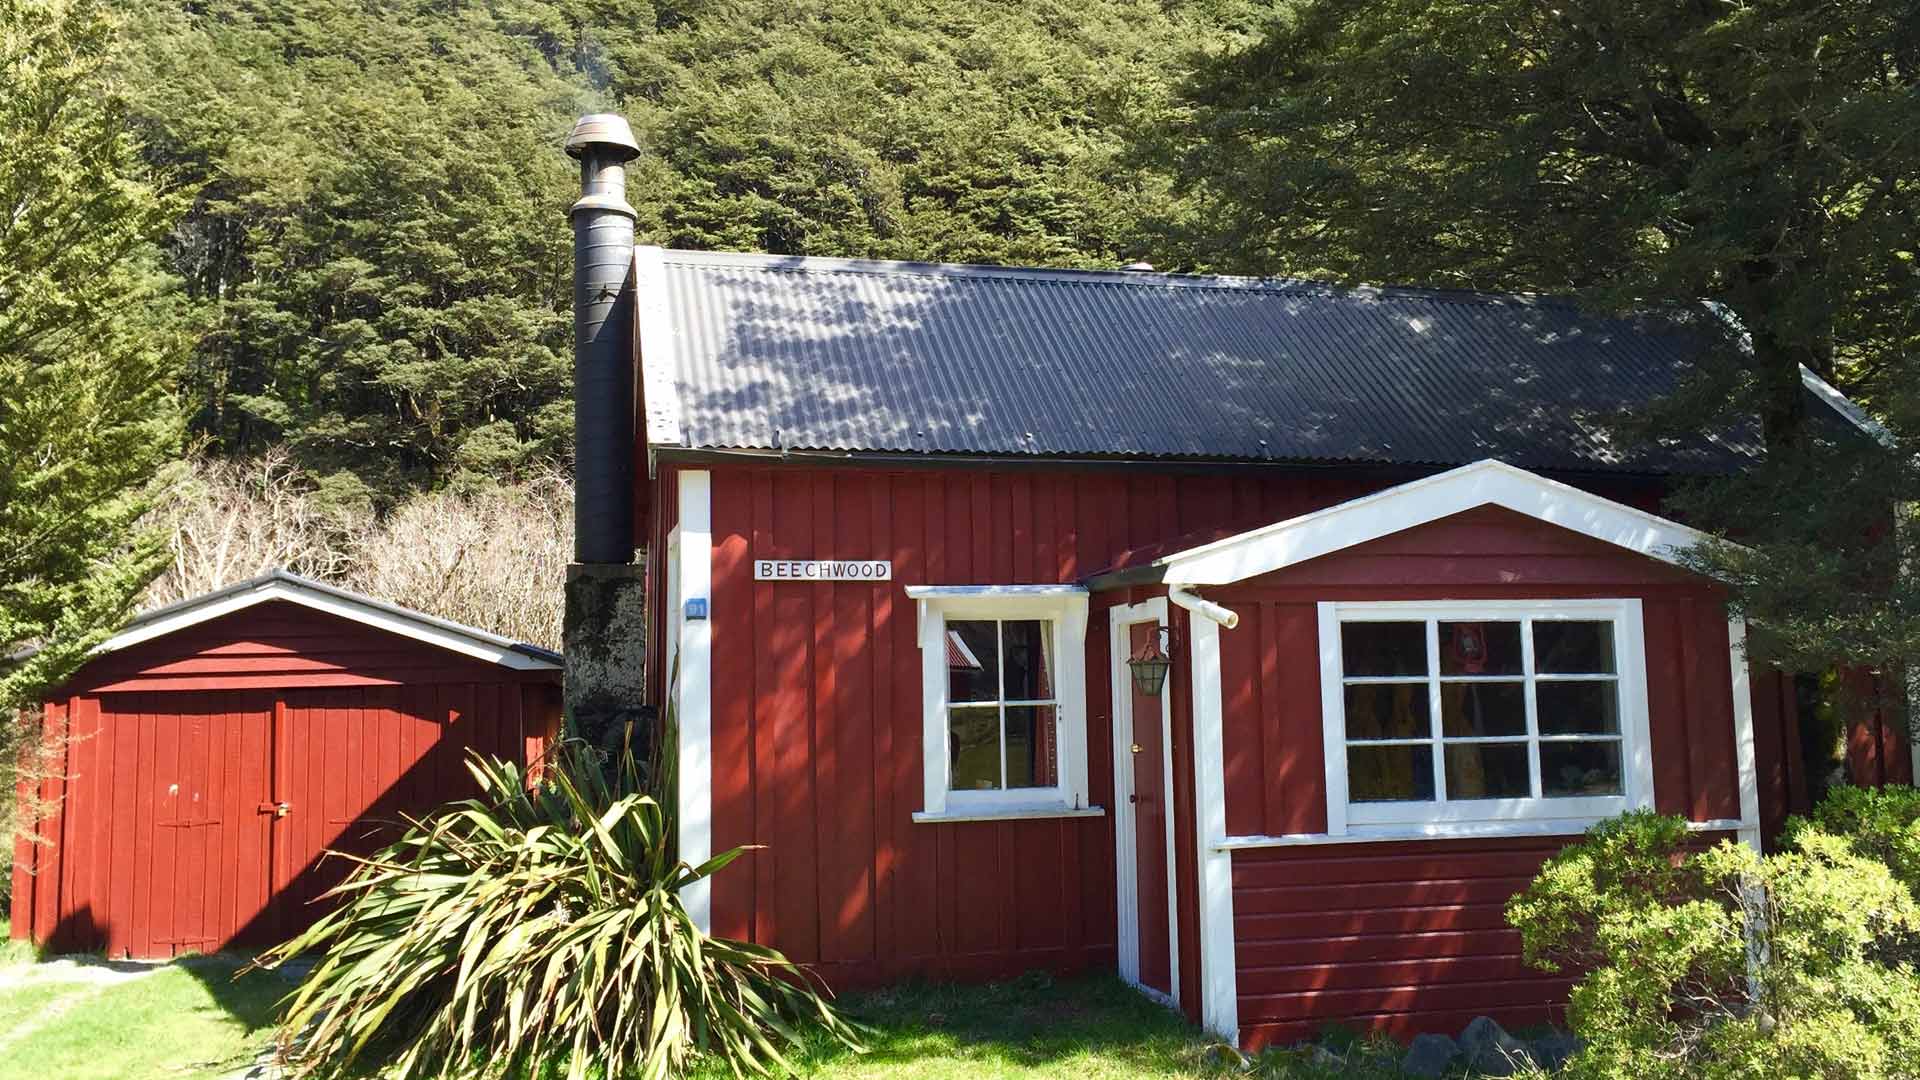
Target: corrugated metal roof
{"points": [[771, 352]]}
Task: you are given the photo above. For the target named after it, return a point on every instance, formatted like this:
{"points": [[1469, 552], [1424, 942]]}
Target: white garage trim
{"points": [[319, 596]]}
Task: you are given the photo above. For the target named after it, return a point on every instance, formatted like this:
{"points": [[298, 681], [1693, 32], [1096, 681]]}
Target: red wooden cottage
{"points": [[216, 748], [1424, 620]]}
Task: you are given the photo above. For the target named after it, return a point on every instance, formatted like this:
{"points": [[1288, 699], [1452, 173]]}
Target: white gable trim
{"points": [[1486, 483], [453, 637], [1848, 411], [653, 342]]}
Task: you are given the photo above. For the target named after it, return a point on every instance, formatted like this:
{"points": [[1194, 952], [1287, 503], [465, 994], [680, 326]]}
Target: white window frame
{"points": [[1438, 816], [1064, 608]]}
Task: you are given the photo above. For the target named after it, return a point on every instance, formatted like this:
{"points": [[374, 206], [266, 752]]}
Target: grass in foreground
{"points": [[14, 952], [189, 1020], [1091, 1028]]}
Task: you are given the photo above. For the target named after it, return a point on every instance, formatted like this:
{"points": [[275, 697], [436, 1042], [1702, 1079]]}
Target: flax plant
{"points": [[538, 930]]}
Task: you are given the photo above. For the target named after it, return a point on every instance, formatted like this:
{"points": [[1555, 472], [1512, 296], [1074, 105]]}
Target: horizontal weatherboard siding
{"points": [[1400, 938]]}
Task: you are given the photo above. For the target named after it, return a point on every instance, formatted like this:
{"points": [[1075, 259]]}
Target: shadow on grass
{"points": [[252, 998]]}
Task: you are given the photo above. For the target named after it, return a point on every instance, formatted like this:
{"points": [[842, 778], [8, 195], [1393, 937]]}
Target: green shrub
{"points": [[540, 933], [1720, 964], [1879, 823]]}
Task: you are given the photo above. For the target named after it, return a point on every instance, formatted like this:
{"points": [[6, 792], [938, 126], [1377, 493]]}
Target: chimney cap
{"points": [[603, 129]]}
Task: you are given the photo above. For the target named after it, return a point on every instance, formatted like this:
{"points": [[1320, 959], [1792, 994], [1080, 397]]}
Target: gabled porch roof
{"points": [[1357, 521]]}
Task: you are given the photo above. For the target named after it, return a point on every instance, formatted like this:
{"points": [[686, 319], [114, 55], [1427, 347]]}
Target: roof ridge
{"points": [[824, 264], [263, 582]]}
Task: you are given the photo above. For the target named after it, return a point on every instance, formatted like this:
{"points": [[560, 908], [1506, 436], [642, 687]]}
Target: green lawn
{"points": [[194, 1021], [1083, 1029], [189, 1020]]}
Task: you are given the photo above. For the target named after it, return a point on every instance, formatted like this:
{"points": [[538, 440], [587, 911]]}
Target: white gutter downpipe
{"points": [[1206, 609]]}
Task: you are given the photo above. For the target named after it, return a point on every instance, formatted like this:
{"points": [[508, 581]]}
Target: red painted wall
{"points": [[1411, 937], [817, 710], [817, 706], [1399, 938], [164, 840]]}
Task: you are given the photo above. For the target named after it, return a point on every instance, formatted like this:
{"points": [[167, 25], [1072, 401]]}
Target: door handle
{"points": [[1136, 748], [277, 809]]}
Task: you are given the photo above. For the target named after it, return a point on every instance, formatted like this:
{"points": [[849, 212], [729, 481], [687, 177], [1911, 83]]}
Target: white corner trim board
{"points": [[1219, 994], [1743, 741], [419, 626], [1286, 543], [694, 692]]}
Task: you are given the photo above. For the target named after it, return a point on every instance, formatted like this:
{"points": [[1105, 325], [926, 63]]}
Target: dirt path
{"points": [[79, 970], [87, 976]]}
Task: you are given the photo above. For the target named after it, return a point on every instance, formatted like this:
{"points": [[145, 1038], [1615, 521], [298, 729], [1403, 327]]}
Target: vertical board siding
{"points": [[817, 725], [160, 843], [1876, 748], [1270, 702], [1777, 753], [1396, 938], [817, 714]]}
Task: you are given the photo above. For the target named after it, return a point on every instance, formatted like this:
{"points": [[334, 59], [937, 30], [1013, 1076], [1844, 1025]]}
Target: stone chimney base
{"points": [[604, 638]]}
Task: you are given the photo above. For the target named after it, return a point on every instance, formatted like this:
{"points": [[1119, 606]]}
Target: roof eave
{"points": [[283, 585], [1382, 513]]}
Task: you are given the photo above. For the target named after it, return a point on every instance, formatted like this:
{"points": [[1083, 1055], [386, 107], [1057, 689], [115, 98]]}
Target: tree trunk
{"points": [[1783, 398]]}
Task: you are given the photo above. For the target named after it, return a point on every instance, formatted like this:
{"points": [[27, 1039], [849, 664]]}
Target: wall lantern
{"points": [[1149, 664]]}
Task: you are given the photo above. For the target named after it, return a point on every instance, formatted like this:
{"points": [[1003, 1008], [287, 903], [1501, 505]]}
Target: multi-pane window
{"points": [[1459, 707], [1001, 707], [1004, 704]]}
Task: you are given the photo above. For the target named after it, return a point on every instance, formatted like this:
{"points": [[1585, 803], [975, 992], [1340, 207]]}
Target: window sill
{"points": [[1378, 834], [1484, 813], [1011, 813]]}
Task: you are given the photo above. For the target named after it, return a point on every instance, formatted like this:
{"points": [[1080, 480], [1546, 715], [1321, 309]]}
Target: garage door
{"points": [[199, 821]]}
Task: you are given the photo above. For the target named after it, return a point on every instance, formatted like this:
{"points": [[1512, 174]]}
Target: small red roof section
{"points": [[306, 592], [280, 630]]}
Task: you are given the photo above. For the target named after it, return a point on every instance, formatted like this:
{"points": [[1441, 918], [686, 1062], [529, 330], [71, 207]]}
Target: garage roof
{"points": [[783, 353], [318, 595]]}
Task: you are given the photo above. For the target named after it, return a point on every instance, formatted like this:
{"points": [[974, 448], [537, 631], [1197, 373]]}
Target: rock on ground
{"points": [[1552, 1051], [1490, 1051], [1429, 1055]]}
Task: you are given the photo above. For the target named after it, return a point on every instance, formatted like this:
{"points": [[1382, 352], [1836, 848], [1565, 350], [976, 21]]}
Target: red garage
{"points": [[215, 749]]}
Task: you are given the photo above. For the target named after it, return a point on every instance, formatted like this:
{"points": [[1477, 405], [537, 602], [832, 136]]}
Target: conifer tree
{"points": [[90, 341], [1751, 168]]}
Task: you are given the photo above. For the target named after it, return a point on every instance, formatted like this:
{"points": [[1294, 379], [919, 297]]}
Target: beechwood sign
{"points": [[822, 570]]}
